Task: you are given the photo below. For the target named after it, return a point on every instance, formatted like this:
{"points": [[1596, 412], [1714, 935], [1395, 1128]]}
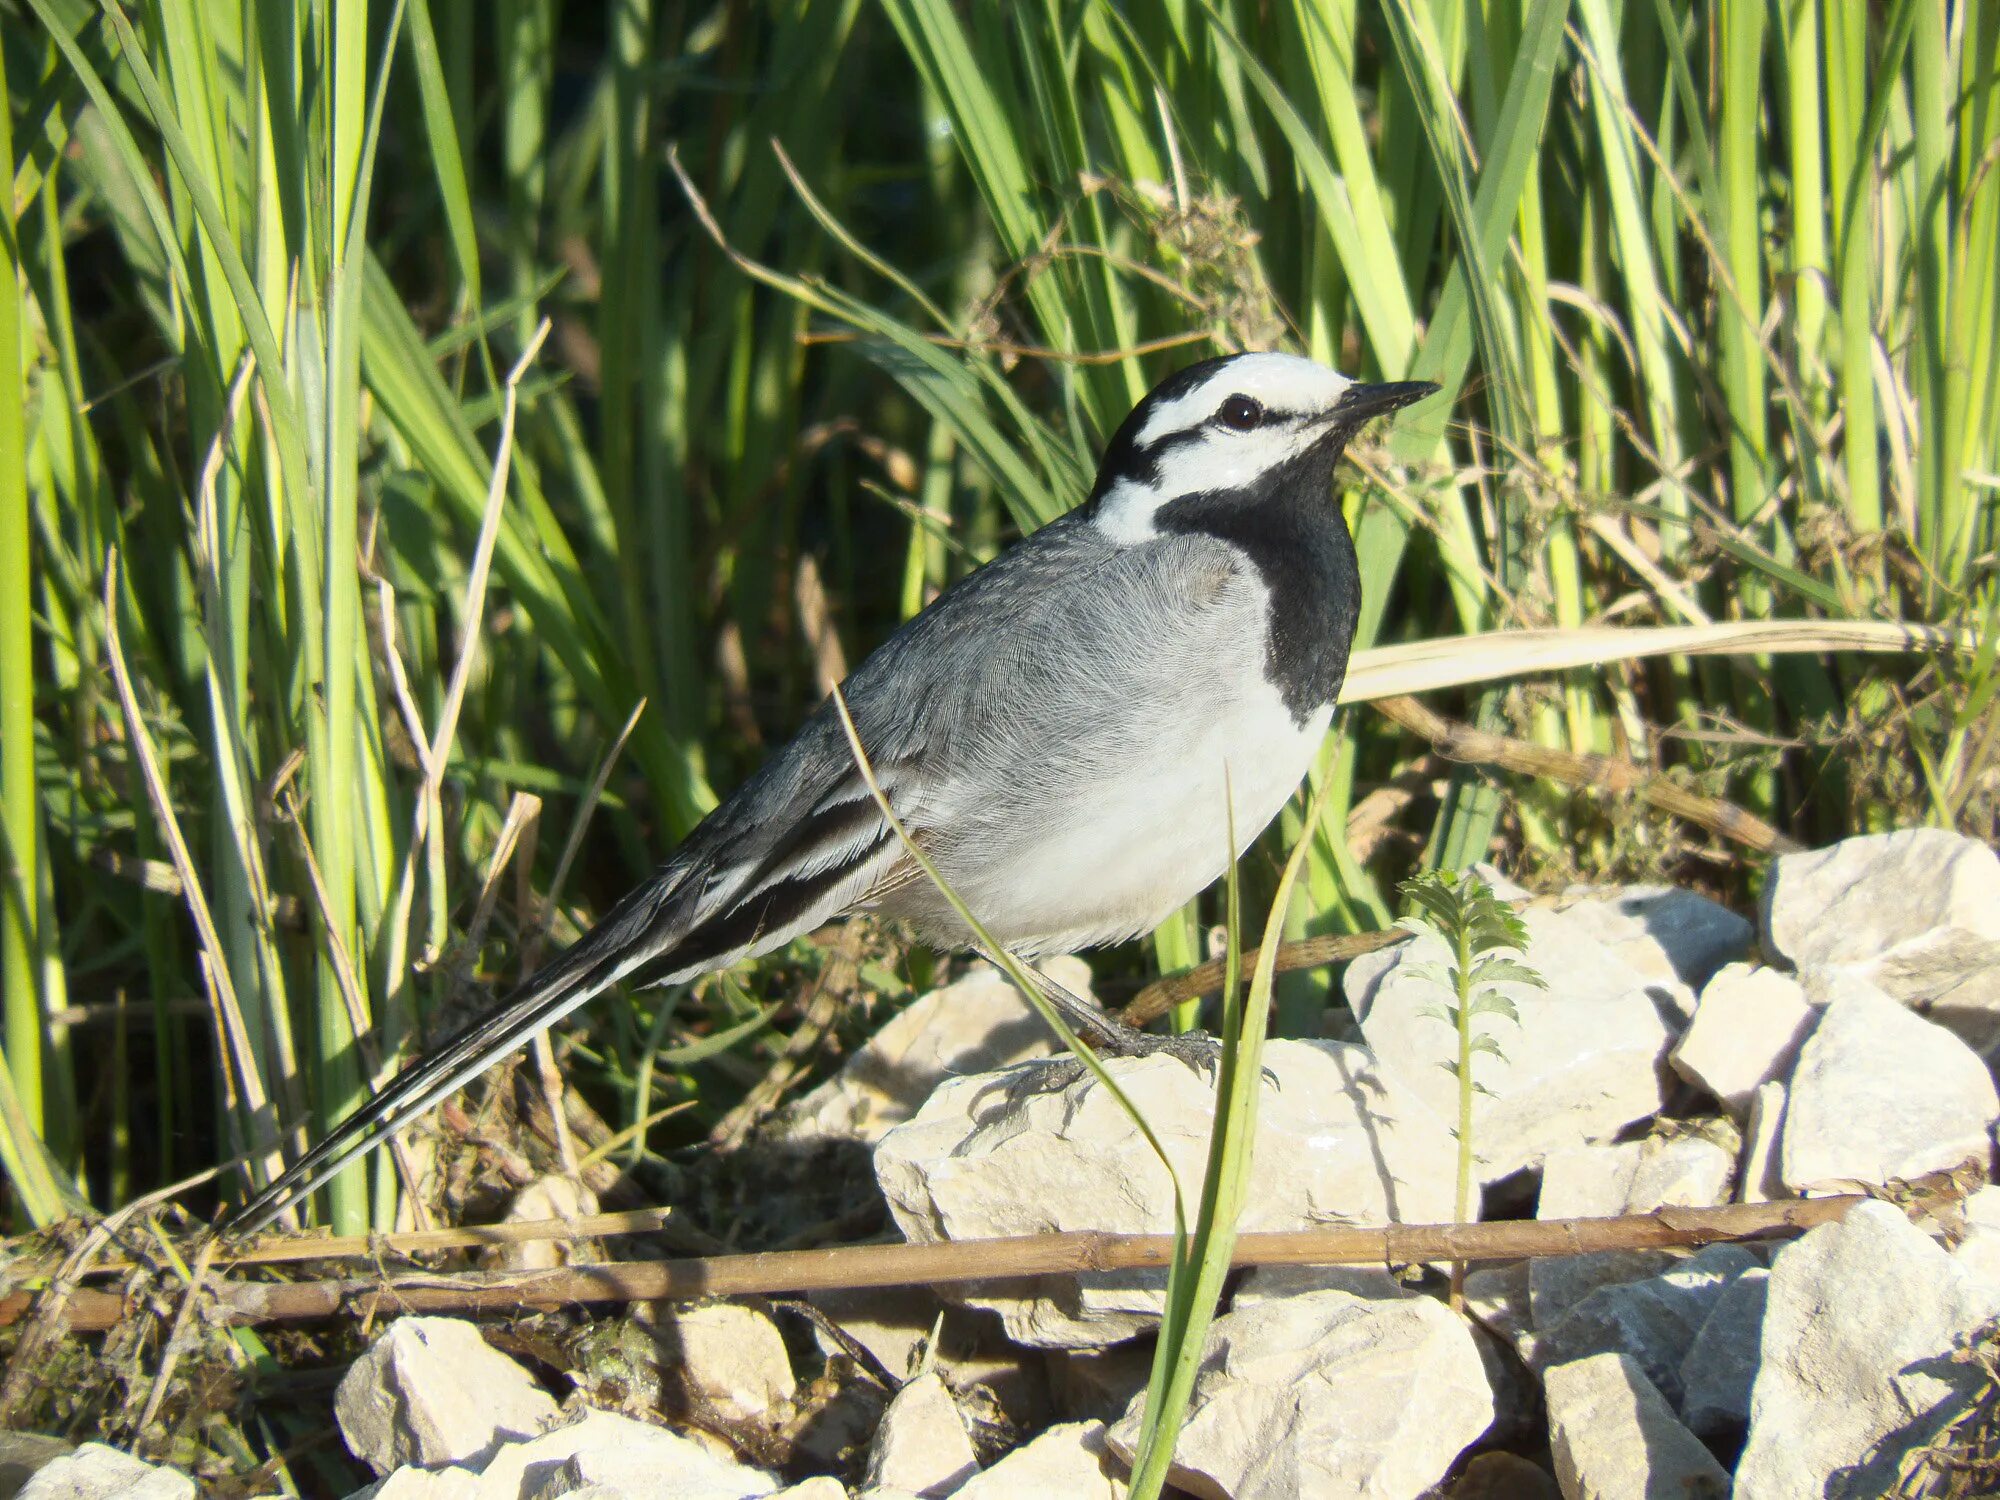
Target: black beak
{"points": [[1360, 403]]}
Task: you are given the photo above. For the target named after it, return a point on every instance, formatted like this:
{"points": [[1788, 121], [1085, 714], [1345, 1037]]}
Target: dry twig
{"points": [[1461, 742], [970, 1260], [1162, 995]]}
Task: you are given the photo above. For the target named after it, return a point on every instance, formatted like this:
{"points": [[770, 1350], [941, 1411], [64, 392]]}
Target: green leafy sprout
{"points": [[1480, 932]]}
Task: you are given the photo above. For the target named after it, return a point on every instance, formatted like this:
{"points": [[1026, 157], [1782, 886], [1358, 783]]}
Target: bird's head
{"points": [[1234, 424]]}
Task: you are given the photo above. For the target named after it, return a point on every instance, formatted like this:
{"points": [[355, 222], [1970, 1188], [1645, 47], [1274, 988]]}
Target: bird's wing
{"points": [[798, 843]]}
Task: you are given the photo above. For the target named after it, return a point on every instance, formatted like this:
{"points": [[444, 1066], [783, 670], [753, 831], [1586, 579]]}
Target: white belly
{"points": [[1134, 843]]}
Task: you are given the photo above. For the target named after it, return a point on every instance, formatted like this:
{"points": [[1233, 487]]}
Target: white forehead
{"points": [[1282, 382]]}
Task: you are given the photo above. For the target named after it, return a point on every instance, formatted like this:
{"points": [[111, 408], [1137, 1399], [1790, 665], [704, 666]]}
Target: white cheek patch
{"points": [[1125, 513]]}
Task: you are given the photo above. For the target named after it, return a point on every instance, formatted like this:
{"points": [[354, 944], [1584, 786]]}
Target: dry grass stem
{"points": [[1162, 995], [1462, 660], [1461, 742], [851, 1266]]}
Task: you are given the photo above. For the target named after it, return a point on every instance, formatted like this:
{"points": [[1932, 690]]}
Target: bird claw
{"points": [[1197, 1049]]}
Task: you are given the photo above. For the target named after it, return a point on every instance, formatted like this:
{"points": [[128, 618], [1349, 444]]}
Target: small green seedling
{"points": [[1479, 930]]}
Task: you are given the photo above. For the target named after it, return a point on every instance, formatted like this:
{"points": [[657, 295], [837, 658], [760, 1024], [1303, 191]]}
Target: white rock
{"points": [[1327, 1394], [96, 1471], [1747, 1031], [732, 1359], [426, 1484], [1615, 1438], [1884, 904], [1558, 1283], [549, 1197], [893, 1324], [1721, 1364], [432, 1391], [1503, 885], [922, 1445], [1859, 1321], [1979, 1248], [819, 1487], [1655, 1320], [1497, 1297], [1662, 932], [1069, 1462], [1761, 1179], [975, 1024], [636, 1459], [1959, 990], [1338, 1138], [1262, 1283], [1879, 1093], [1586, 1060], [901, 1327], [1634, 1177]]}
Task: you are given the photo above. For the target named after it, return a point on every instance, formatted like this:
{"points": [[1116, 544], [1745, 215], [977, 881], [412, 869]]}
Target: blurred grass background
{"points": [[1714, 292]]}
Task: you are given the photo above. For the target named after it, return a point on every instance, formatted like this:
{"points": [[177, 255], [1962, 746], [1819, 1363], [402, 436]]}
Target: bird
{"points": [[1080, 735]]}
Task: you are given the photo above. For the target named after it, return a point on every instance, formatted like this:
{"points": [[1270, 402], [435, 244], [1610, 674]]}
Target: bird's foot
{"points": [[1197, 1049]]}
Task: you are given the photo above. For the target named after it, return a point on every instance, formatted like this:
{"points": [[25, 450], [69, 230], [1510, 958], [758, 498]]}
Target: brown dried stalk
{"points": [[850, 1266], [1461, 742], [1162, 995]]}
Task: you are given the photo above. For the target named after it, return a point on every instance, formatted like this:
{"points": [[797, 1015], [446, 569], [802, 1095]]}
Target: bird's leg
{"points": [[1112, 1038]]}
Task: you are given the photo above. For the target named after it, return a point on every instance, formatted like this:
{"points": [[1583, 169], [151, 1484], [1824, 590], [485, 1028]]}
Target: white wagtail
{"points": [[1058, 732]]}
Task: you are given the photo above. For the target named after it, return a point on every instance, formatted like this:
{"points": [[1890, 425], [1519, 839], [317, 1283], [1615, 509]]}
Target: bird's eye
{"points": [[1241, 414]]}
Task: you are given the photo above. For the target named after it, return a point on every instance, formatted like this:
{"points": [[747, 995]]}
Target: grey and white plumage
{"points": [[1067, 733]]}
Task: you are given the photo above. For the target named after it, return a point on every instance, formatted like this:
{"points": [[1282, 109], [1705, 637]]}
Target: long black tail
{"points": [[631, 936], [764, 867]]}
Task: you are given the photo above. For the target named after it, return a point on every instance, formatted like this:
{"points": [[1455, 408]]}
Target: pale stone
{"points": [[975, 1024], [731, 1358], [1262, 1283], [1746, 1032], [602, 1449], [1978, 1247], [1855, 1371], [1960, 990], [1614, 1437], [1558, 1283], [1072, 1461], [1761, 1177], [1498, 1298], [426, 1484], [907, 1328], [922, 1445], [431, 1391], [819, 1487], [1327, 1394], [1881, 1093], [1654, 1320], [96, 1471], [550, 1197], [893, 1325], [1885, 905], [1586, 1059], [1337, 1139], [1662, 932], [1634, 1177], [1721, 1364]]}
